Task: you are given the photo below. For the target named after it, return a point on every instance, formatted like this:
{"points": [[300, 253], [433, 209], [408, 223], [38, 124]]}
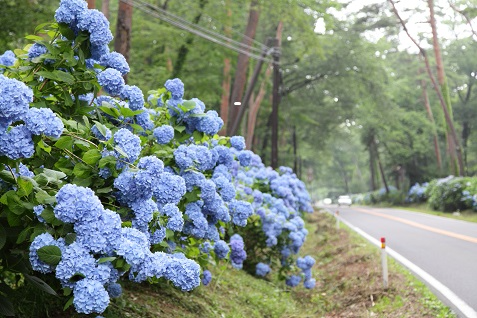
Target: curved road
{"points": [[444, 248]]}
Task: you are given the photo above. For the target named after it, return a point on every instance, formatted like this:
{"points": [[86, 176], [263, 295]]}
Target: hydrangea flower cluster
{"points": [[174, 187]]}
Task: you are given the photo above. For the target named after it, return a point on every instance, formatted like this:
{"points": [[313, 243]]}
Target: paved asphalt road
{"points": [[444, 248]]}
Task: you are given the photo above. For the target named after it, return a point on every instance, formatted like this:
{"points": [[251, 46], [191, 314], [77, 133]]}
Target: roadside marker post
{"points": [[337, 216], [384, 262]]}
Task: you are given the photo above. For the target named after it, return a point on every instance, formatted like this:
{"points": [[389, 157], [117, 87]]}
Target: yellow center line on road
{"points": [[421, 226]]}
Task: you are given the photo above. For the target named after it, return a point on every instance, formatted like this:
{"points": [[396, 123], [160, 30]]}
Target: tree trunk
{"points": [[275, 103], [122, 43], [381, 170], [91, 4], [105, 8], [224, 104], [255, 103], [456, 155], [242, 63], [184, 49], [427, 105]]}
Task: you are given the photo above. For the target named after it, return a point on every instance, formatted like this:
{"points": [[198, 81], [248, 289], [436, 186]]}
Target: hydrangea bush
{"points": [[100, 185]]}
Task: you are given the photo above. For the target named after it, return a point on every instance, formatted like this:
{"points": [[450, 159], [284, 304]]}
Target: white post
{"points": [[384, 262], [337, 216]]}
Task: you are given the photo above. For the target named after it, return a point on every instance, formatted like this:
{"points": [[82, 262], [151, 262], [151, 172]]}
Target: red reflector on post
{"points": [[383, 242]]}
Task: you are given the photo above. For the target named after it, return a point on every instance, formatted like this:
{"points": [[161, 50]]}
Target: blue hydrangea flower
{"points": [[221, 249], [69, 10], [40, 241], [43, 121], [193, 179], [134, 246], [210, 124], [208, 190], [305, 263], [112, 81], [225, 188], [175, 221], [97, 25], [176, 87], [129, 143], [144, 120], [75, 203], [169, 188], [36, 50], [164, 134], [197, 224], [309, 283], [262, 269], [97, 51], [238, 142], [293, 280], [183, 273], [102, 235], [114, 290], [115, 60], [134, 95], [143, 212], [237, 251], [38, 209], [158, 236], [90, 296], [100, 135], [212, 233], [76, 259], [245, 157], [206, 277], [15, 98], [240, 211], [8, 58], [16, 143]]}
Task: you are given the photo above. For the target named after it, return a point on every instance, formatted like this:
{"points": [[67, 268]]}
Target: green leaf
{"points": [[6, 307], [70, 238], [49, 254], [121, 151], [65, 77], [44, 198], [198, 135], [110, 111], [23, 235], [3, 237], [102, 128], [107, 161], [68, 303], [44, 146], [179, 128], [34, 37], [104, 190], [106, 259], [81, 170], [82, 182], [127, 112], [92, 156], [40, 284], [14, 219], [25, 186], [7, 176], [65, 142]]}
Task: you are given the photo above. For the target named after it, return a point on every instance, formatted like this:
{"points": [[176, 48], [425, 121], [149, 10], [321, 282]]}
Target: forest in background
{"points": [[352, 104]]}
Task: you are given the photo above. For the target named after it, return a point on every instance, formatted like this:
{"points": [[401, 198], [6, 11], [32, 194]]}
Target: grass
{"points": [[468, 215], [348, 275]]}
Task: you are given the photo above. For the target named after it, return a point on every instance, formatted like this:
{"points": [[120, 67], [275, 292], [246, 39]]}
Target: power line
{"points": [[214, 33], [146, 7]]}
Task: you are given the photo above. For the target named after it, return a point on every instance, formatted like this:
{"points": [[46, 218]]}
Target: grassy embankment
{"points": [[348, 285]]}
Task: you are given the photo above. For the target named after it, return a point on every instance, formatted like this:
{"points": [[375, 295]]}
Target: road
{"points": [[444, 248]]}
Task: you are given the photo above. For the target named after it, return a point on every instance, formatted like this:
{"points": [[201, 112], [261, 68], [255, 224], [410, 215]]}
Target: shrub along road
{"points": [[444, 248]]}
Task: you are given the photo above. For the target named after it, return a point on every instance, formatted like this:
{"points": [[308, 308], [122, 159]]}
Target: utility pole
{"points": [[275, 102]]}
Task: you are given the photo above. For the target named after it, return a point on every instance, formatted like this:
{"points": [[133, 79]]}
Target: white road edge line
{"points": [[461, 305]]}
